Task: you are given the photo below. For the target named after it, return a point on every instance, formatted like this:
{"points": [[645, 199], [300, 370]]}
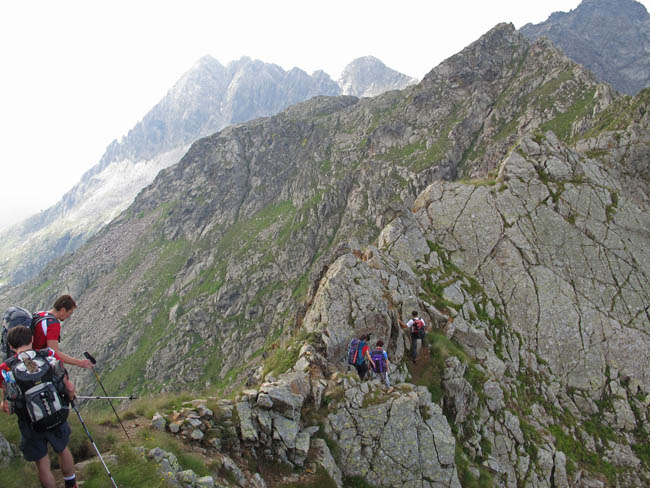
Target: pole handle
{"points": [[89, 357]]}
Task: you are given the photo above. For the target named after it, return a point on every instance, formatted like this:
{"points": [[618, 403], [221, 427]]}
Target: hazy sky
{"points": [[78, 74]]}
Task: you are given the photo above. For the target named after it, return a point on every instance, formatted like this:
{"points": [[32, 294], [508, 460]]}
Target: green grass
{"points": [[581, 456], [355, 482], [285, 355], [610, 210], [561, 125], [430, 374], [467, 478], [19, 474], [642, 451], [132, 471]]}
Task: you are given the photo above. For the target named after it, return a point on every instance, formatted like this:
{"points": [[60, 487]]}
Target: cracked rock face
{"points": [[564, 248], [402, 440], [545, 277]]}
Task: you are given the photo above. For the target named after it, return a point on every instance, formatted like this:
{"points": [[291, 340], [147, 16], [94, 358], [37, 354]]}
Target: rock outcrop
{"points": [[515, 263], [399, 438]]}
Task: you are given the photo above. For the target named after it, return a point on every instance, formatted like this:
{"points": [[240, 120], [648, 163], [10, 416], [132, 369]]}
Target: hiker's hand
{"points": [[5, 406], [85, 363]]}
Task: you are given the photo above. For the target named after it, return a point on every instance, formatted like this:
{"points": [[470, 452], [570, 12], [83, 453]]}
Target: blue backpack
{"points": [[355, 349]]}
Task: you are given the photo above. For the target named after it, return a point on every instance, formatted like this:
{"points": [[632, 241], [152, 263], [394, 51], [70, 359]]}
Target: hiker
{"points": [[47, 332], [417, 327], [36, 436], [380, 363], [359, 355]]}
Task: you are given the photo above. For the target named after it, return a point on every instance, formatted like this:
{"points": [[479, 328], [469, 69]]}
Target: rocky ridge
{"points": [[543, 362], [533, 273], [610, 37]]}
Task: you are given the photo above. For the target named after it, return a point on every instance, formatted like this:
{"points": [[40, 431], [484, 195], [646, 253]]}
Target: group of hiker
{"points": [[35, 386], [376, 360]]}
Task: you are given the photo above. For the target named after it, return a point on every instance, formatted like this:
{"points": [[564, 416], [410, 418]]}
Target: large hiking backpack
{"points": [[418, 328], [355, 350], [377, 357], [36, 388], [15, 316]]}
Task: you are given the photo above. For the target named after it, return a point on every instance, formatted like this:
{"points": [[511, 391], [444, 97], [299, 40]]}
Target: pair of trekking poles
{"points": [[106, 397]]}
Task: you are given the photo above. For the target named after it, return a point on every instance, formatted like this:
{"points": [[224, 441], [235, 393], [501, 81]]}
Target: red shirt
{"points": [[4, 366], [53, 328]]}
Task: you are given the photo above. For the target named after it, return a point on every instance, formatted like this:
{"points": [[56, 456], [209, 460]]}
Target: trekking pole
{"points": [[130, 397], [93, 443], [92, 360]]}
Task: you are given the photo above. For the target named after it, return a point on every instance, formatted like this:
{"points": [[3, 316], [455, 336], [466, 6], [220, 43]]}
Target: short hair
{"points": [[19, 336], [380, 343], [64, 301], [364, 337], [414, 313]]}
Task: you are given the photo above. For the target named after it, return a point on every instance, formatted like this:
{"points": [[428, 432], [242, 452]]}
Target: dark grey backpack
{"points": [[37, 390]]}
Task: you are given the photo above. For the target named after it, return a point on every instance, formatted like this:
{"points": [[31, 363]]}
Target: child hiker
{"points": [[380, 363]]}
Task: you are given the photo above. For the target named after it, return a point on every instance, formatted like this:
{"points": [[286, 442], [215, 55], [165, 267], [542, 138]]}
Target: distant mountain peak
{"points": [[367, 76], [206, 98]]}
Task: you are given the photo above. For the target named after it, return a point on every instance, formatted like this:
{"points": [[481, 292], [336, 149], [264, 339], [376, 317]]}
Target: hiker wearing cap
{"points": [[41, 416], [417, 328], [380, 363], [47, 331]]}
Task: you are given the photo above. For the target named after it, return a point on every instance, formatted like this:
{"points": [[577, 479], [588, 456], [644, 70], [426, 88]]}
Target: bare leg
{"points": [[67, 462], [45, 473]]}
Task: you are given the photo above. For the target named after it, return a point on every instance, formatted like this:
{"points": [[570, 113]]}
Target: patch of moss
{"points": [[610, 209], [355, 482], [581, 456], [467, 478]]}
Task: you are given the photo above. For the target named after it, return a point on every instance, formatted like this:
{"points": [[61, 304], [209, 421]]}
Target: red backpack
{"points": [[418, 328]]}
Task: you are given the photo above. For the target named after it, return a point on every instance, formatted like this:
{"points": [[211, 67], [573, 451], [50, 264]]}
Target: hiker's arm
{"points": [[404, 326], [369, 358], [69, 387], [82, 363]]}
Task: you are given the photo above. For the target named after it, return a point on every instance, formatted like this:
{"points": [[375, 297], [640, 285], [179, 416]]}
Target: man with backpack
{"points": [[35, 387], [417, 327], [380, 363], [47, 329], [359, 355]]}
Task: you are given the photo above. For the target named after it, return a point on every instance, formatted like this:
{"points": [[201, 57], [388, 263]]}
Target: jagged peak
{"points": [[365, 60], [498, 42], [204, 61]]}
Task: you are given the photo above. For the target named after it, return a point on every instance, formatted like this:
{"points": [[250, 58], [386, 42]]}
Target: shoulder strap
{"points": [[42, 320], [11, 361], [44, 353]]}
